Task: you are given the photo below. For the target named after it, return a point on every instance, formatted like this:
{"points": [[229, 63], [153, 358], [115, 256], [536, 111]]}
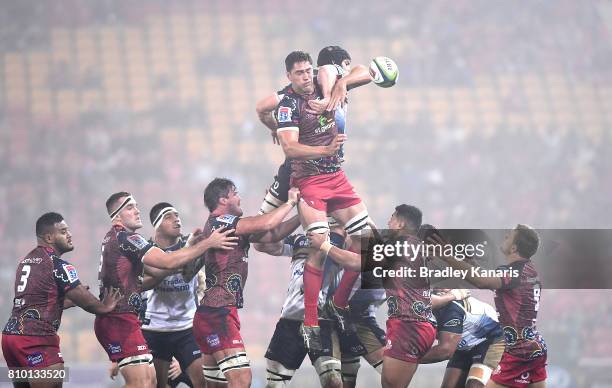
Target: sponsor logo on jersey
{"points": [[226, 218], [31, 260], [284, 114], [18, 302], [71, 272], [452, 323], [524, 379], [141, 347], [35, 359], [213, 340], [236, 342], [114, 348], [137, 240]]}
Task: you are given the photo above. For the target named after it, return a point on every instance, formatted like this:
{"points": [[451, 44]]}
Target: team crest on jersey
{"points": [[114, 348], [510, 335], [35, 359], [392, 305], [284, 114], [56, 324], [213, 340], [71, 272], [137, 240]]}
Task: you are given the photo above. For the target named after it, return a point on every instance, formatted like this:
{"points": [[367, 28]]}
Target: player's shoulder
{"points": [[131, 240], [284, 91]]}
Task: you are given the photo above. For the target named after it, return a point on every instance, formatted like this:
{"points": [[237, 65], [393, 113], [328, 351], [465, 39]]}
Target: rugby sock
{"points": [[343, 292], [313, 278]]}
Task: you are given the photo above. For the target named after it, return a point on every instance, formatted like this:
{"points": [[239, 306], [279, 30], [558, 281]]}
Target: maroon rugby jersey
{"points": [[41, 283], [226, 271], [121, 267], [315, 130], [517, 303], [408, 297]]}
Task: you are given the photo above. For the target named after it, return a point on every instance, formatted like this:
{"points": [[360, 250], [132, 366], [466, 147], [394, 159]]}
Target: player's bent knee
{"points": [[277, 375], [479, 376], [329, 371], [213, 375], [349, 369], [357, 224]]}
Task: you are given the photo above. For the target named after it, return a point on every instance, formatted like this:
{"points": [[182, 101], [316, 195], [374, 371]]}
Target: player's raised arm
{"points": [[265, 112], [219, 239], [266, 222], [358, 76]]}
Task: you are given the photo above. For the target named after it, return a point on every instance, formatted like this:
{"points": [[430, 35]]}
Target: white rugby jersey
{"points": [[480, 323], [171, 305]]}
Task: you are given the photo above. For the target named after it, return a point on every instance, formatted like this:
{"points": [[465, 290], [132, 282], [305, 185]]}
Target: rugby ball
{"points": [[384, 72]]}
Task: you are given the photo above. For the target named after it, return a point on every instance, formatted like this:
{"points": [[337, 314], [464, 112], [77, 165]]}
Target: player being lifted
{"points": [[312, 143], [171, 305], [517, 299], [216, 325], [44, 286], [125, 253]]}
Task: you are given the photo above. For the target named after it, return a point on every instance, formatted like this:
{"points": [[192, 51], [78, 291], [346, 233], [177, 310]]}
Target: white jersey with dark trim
{"points": [[480, 323], [171, 305]]}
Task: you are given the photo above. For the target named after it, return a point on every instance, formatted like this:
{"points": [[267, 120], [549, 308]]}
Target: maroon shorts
{"points": [[28, 351], [217, 328], [327, 192], [518, 373], [408, 340], [120, 335]]}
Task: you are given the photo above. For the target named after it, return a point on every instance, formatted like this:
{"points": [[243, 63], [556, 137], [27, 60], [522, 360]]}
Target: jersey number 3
{"points": [[23, 281]]}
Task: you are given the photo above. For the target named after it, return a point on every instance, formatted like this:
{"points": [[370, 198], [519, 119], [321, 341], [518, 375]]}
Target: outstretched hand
{"points": [[221, 239]]}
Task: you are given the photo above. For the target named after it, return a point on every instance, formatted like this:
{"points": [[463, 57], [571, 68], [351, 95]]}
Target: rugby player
{"points": [[517, 300], [44, 284], [410, 332], [287, 350], [313, 143], [170, 305], [470, 337], [216, 324], [124, 255]]}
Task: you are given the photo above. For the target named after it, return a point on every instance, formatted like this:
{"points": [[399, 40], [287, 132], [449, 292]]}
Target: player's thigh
{"points": [[309, 216], [44, 384], [454, 378], [195, 373], [397, 373], [345, 215], [161, 371], [140, 375]]}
